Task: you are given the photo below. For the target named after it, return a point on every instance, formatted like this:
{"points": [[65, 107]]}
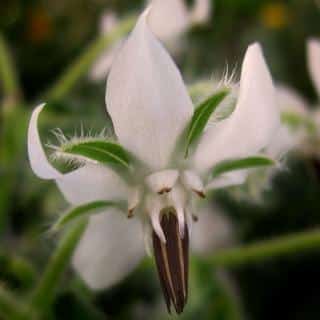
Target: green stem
{"points": [[46, 288], [82, 64], [7, 72], [269, 249], [10, 307]]}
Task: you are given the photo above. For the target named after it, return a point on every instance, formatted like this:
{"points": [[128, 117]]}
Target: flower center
{"points": [[165, 199]]}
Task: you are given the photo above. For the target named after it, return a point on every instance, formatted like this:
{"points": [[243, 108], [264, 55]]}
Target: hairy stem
{"points": [[82, 64], [46, 288], [269, 249]]}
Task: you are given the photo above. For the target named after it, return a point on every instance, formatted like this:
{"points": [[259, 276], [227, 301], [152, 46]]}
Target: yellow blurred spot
{"points": [[39, 25], [275, 15]]}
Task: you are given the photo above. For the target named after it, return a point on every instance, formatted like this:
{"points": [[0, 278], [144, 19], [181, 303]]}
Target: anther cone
{"points": [[172, 261]]}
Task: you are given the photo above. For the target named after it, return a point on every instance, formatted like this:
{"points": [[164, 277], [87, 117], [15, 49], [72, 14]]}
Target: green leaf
{"points": [[105, 152], [242, 163], [201, 117], [82, 210]]}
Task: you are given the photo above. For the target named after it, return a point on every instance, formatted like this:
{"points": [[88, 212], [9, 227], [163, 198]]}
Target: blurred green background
{"points": [[44, 37]]}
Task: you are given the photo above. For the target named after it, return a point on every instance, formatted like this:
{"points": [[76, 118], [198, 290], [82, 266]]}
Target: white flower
{"points": [[214, 230], [101, 67], [150, 108], [169, 19], [294, 108]]}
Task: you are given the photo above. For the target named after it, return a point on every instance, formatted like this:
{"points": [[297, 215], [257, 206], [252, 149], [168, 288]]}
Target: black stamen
{"points": [[172, 261]]}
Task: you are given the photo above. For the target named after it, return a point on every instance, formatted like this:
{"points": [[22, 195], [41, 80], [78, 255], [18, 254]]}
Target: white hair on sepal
{"points": [[203, 89], [66, 142], [228, 79], [71, 160], [60, 136]]}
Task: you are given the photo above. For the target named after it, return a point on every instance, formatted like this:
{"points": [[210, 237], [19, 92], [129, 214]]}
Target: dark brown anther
{"points": [[201, 194], [172, 260], [164, 190], [130, 213], [195, 218]]}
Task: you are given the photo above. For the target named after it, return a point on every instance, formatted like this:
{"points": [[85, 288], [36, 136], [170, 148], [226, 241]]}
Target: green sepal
{"points": [[83, 210], [201, 117], [101, 151], [241, 163]]}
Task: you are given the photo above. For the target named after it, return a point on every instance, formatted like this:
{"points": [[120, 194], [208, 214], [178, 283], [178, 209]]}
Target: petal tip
{"points": [[37, 157]]}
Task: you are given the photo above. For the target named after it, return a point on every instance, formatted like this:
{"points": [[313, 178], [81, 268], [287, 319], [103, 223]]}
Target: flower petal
{"points": [[212, 231], [37, 157], [146, 97], [168, 19], [253, 122], [90, 183], [110, 248], [313, 52]]}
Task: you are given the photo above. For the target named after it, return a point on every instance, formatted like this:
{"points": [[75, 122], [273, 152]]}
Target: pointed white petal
{"points": [[146, 98], [37, 157], [155, 221], [253, 122], [153, 208], [90, 183], [168, 19], [193, 182], [212, 231], [162, 181], [230, 179], [110, 248], [313, 51], [290, 100], [201, 11]]}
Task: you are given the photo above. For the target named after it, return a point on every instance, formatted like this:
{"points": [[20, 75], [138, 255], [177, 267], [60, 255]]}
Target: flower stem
{"points": [[45, 290], [269, 249], [7, 72], [84, 61], [10, 307]]}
